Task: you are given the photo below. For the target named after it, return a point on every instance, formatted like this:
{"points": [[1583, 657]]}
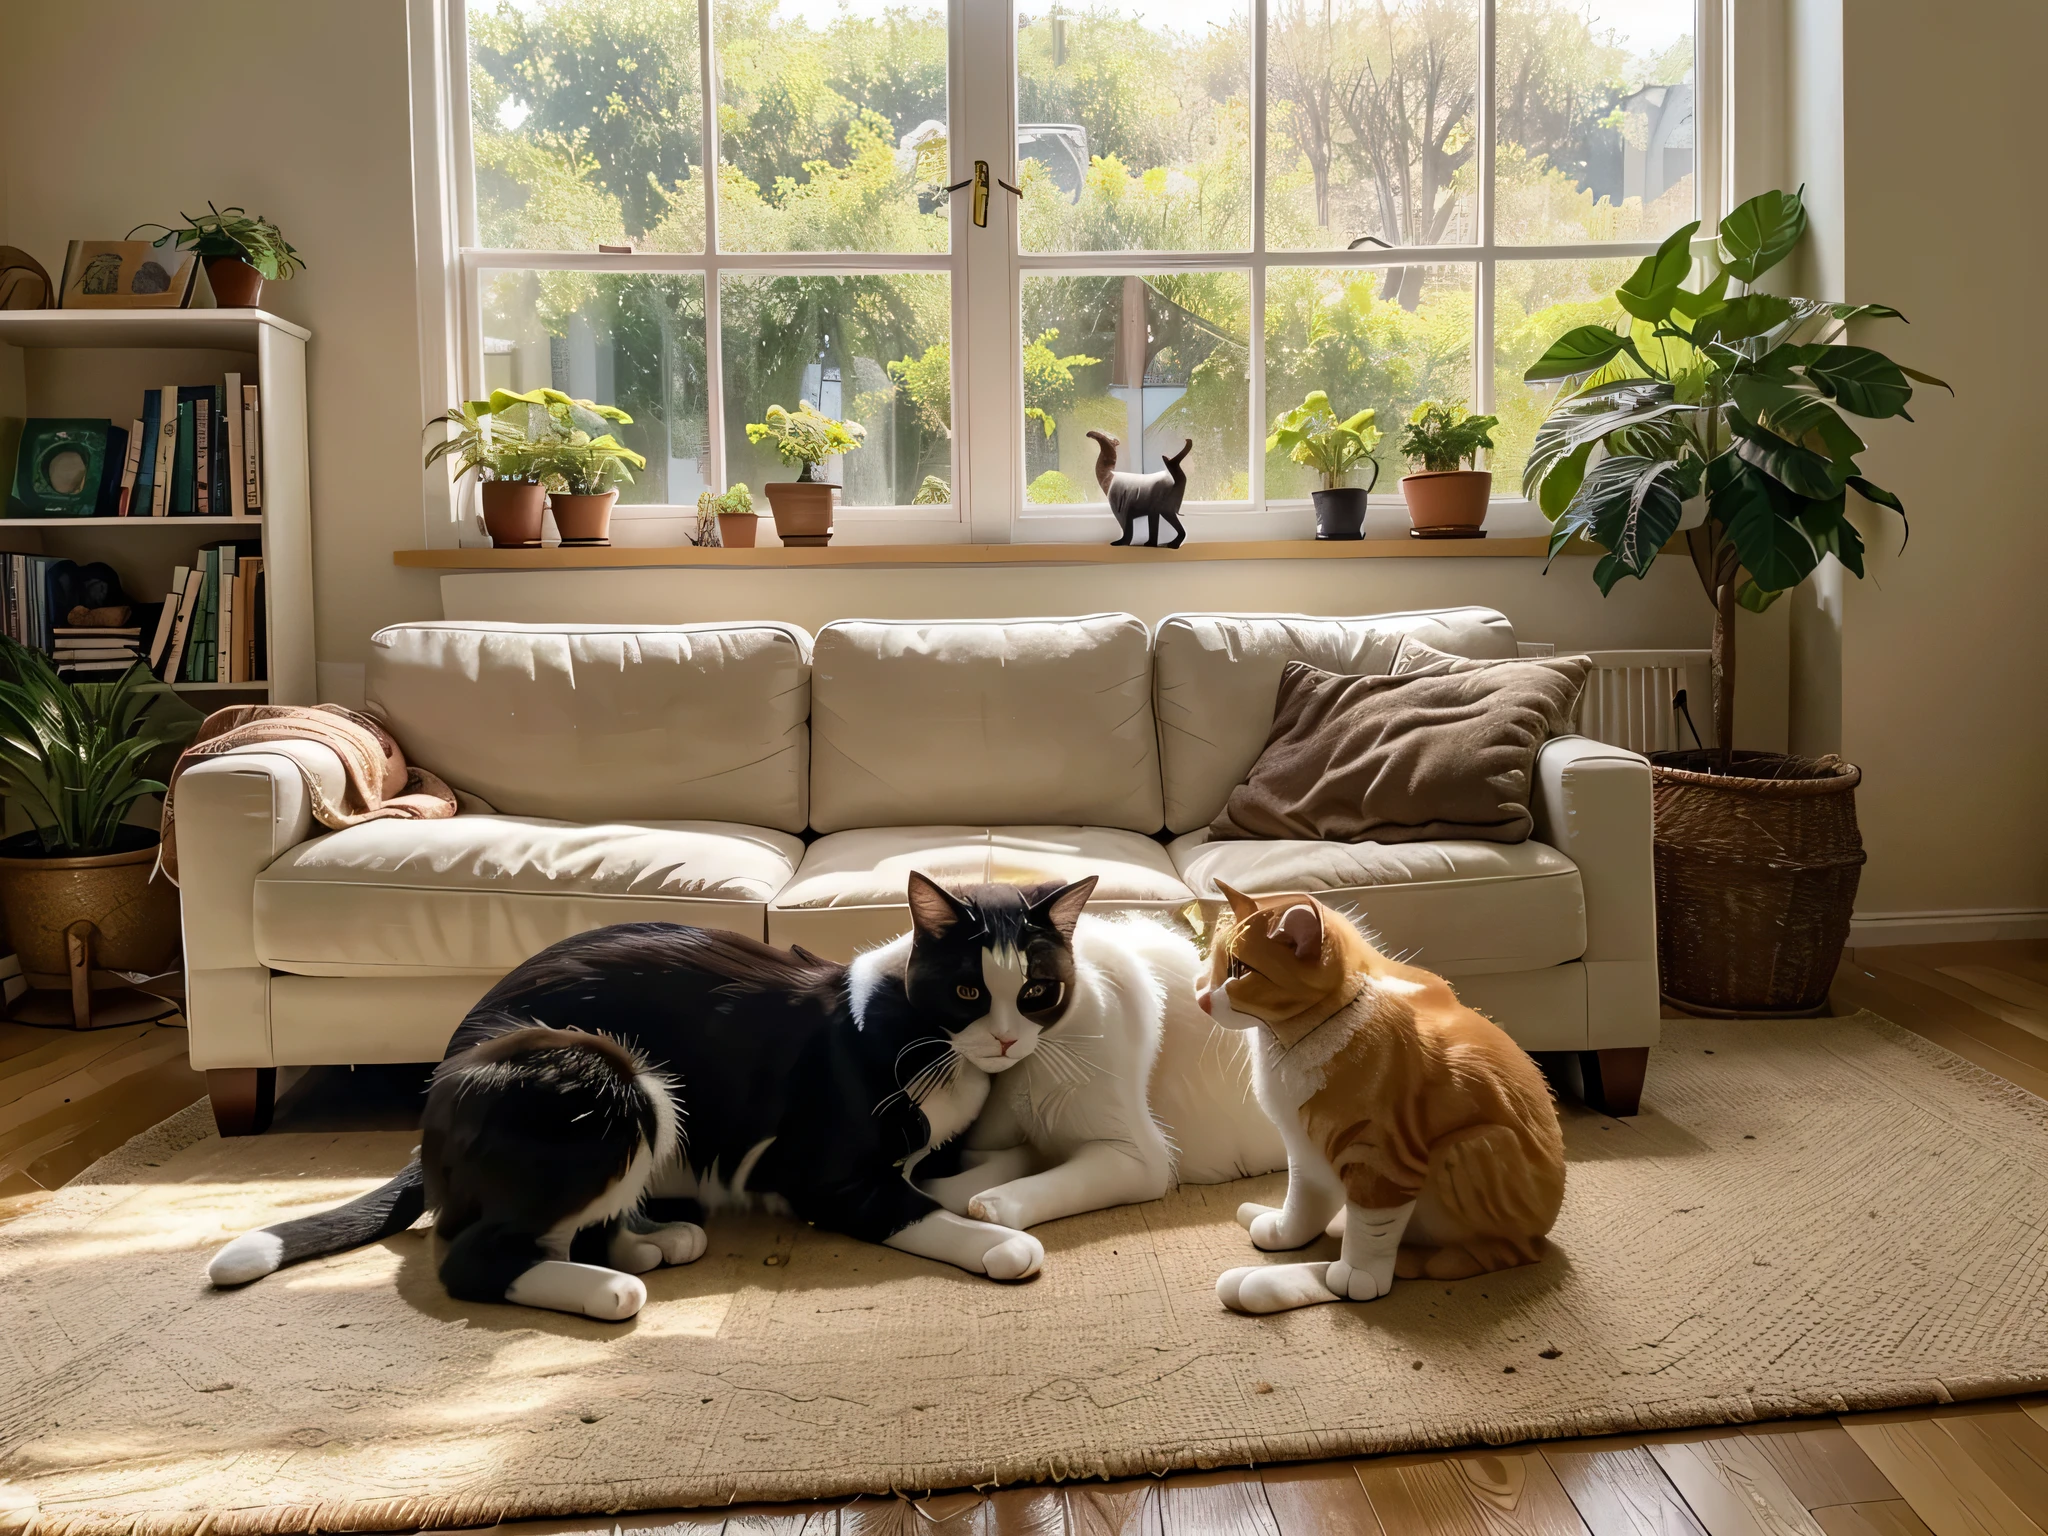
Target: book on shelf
{"points": [[131, 466], [194, 451], [166, 450], [231, 478], [252, 448]]}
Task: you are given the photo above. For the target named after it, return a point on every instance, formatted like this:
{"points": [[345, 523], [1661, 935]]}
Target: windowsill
{"points": [[552, 558]]}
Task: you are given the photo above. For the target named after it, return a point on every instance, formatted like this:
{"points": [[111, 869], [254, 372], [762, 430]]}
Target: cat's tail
{"points": [[384, 1212]]}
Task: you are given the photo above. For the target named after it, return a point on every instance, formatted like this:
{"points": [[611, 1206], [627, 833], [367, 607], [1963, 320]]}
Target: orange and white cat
{"points": [[1417, 1121]]}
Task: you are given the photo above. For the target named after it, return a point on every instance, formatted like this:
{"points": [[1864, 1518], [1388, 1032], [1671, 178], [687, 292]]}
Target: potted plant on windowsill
{"points": [[240, 251], [1445, 500], [1313, 435], [729, 521], [75, 890], [505, 462], [807, 438], [582, 469], [1740, 395]]}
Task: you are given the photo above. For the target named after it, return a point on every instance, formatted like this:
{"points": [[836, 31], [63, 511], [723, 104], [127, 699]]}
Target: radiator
{"points": [[1628, 700]]}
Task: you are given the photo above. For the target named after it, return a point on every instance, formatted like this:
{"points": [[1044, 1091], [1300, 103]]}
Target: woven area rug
{"points": [[1807, 1218]]}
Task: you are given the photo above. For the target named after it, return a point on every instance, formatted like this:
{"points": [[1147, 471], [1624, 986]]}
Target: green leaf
{"points": [[1926, 378], [1758, 515], [1557, 489], [1695, 306], [1864, 312], [1755, 236], [1630, 506], [1832, 534], [1654, 285], [1866, 382], [1800, 470], [1798, 415], [1877, 494], [1578, 351], [1752, 314], [1582, 420]]}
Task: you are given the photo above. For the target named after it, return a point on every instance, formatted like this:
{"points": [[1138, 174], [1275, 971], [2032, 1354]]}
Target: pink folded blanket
{"points": [[377, 780]]}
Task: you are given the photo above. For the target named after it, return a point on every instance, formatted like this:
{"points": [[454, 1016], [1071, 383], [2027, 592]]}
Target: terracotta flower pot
{"points": [[134, 919], [585, 519], [1447, 498], [235, 284], [512, 512], [803, 511], [738, 530]]}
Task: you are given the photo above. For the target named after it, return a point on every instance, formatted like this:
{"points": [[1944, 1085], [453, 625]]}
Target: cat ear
{"points": [[1241, 905], [1301, 927], [1062, 906], [934, 910]]}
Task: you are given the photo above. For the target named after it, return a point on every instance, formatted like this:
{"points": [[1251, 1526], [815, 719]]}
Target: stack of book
{"points": [[95, 654], [212, 628], [195, 451], [26, 599]]}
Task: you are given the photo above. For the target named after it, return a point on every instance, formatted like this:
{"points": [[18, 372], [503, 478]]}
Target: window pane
{"points": [[867, 349], [1534, 303], [1371, 129], [633, 342], [587, 124], [1384, 337], [831, 125], [1134, 126], [1596, 120], [1152, 361]]}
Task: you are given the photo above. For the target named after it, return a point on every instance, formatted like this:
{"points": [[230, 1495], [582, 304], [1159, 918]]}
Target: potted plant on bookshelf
{"points": [[806, 438], [75, 890], [1447, 497], [505, 461], [1740, 396], [729, 520], [1312, 434], [240, 250]]}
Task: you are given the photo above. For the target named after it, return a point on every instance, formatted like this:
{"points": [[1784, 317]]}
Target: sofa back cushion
{"points": [[598, 722], [1217, 675], [988, 722]]}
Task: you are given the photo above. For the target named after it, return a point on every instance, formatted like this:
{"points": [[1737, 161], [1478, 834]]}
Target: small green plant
{"points": [[1441, 437], [539, 435], [737, 501], [806, 437], [934, 492], [1052, 489], [1312, 434], [76, 756], [233, 232], [483, 445]]}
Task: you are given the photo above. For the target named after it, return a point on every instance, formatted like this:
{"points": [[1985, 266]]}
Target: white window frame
{"points": [[988, 443]]}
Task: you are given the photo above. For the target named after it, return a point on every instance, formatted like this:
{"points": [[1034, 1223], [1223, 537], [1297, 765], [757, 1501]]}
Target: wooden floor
{"points": [[1973, 1470]]}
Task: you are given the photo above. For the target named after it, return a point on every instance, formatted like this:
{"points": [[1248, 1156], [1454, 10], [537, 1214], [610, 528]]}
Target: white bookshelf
{"points": [[97, 363]]}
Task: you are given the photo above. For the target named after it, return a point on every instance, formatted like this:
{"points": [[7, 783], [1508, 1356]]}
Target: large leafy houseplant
{"points": [[1721, 391], [1313, 435]]}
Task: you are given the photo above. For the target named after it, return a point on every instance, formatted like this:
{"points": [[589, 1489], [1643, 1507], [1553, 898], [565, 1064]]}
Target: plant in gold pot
{"points": [[240, 250], [76, 893], [1742, 398], [1447, 496], [488, 439], [804, 437]]}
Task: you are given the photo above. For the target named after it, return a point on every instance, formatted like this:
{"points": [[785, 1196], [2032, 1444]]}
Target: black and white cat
{"points": [[656, 1059]]}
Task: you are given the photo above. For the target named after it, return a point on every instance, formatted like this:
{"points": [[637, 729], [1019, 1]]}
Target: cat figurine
{"points": [[1412, 1118], [652, 1061], [1155, 496], [1131, 1090]]}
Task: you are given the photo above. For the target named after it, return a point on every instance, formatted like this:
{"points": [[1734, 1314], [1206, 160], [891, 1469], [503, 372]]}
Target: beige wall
{"points": [[121, 112], [1942, 647]]}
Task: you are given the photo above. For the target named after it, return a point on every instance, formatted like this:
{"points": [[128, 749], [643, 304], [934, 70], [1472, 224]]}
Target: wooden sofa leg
{"points": [[1614, 1079], [242, 1098]]}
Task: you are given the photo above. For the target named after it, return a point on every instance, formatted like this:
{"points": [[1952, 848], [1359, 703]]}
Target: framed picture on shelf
{"points": [[132, 274]]}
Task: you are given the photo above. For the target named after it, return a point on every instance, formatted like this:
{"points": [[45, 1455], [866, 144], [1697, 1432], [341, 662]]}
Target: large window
{"points": [[699, 208]]}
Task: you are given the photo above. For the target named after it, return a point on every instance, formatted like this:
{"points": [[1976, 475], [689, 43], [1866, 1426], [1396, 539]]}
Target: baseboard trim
{"points": [[1963, 926]]}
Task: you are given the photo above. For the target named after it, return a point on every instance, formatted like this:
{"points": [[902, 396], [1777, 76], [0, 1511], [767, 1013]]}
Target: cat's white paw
{"points": [[1358, 1284], [999, 1209], [632, 1252], [616, 1299], [1265, 1288], [680, 1242], [249, 1257], [1269, 1231], [594, 1291], [1251, 1211], [1014, 1258]]}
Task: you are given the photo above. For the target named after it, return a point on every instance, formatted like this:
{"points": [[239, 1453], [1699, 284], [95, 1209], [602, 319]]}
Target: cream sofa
{"points": [[751, 777]]}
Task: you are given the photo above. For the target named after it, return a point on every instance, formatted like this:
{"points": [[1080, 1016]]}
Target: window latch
{"points": [[980, 182]]}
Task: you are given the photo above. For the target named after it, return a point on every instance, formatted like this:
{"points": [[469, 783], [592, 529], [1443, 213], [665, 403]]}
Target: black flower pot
{"points": [[1340, 514]]}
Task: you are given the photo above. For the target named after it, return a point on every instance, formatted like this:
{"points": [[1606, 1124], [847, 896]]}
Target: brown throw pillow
{"points": [[1405, 759]]}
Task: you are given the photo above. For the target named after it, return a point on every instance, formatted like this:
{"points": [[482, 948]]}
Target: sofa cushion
{"points": [[849, 891], [1457, 908], [478, 894], [999, 721], [685, 722], [1216, 675]]}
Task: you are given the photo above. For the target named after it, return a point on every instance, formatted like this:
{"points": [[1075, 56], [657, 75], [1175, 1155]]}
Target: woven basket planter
{"points": [[1756, 879]]}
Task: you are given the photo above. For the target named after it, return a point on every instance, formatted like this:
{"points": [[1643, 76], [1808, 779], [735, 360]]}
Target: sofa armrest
{"points": [[237, 813], [1592, 803]]}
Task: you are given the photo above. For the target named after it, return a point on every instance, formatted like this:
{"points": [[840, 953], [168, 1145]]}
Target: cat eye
{"points": [[967, 994], [1040, 995], [1237, 968]]}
